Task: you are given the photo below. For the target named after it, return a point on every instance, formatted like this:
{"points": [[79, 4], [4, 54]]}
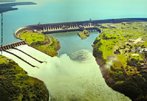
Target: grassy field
{"points": [[39, 41]]}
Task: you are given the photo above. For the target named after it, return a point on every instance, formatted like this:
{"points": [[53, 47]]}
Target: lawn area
{"points": [[46, 44]]}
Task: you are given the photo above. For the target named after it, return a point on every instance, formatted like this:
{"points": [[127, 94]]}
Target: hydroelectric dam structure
{"points": [[51, 28], [61, 27], [91, 25]]}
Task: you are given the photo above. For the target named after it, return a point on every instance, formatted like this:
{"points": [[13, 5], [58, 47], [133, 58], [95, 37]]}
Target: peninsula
{"points": [[44, 43]]}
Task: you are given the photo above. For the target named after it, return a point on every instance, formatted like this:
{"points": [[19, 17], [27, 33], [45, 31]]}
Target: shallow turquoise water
{"points": [[49, 11]]}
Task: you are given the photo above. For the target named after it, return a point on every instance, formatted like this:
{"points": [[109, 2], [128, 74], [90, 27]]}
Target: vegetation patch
{"points": [[84, 34], [122, 48], [44, 43], [16, 85]]}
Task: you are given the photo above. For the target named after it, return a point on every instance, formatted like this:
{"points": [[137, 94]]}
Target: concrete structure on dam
{"points": [[91, 25], [61, 27]]}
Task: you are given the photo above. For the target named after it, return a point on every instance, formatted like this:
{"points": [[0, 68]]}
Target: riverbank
{"points": [[16, 85], [120, 50]]}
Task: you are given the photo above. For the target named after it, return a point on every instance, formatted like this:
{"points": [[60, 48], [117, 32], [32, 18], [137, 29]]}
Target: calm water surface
{"points": [[51, 11]]}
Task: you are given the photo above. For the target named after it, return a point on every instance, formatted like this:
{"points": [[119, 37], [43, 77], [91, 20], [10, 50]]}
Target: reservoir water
{"points": [[71, 42], [52, 11], [73, 75]]}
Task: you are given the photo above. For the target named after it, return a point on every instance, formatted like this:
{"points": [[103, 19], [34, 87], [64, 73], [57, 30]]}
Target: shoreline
{"points": [[118, 20]]}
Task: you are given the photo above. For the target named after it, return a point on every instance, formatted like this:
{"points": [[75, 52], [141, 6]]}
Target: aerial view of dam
{"points": [[73, 50]]}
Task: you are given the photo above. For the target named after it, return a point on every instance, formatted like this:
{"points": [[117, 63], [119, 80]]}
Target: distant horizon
{"points": [[56, 11], [108, 19]]}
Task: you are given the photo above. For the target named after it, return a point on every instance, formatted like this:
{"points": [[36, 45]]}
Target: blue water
{"points": [[71, 42], [50, 11]]}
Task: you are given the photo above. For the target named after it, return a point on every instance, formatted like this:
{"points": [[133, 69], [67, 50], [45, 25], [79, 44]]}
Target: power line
{"points": [[1, 31]]}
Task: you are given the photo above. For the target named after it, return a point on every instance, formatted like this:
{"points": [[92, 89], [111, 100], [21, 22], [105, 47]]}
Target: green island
{"points": [[16, 85], [84, 34], [121, 52], [44, 43]]}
